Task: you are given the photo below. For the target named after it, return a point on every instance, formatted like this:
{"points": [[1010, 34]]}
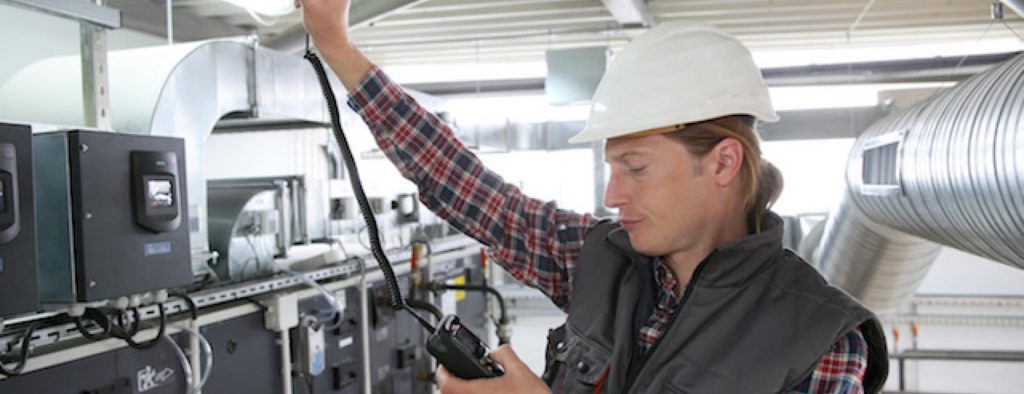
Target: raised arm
{"points": [[327, 24], [536, 242]]}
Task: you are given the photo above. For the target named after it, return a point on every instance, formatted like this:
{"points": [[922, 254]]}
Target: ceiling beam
{"points": [[151, 17], [630, 12], [940, 69], [80, 10], [363, 13]]}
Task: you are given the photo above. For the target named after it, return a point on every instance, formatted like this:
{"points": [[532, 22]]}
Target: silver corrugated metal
{"points": [[949, 170], [880, 266], [959, 174]]}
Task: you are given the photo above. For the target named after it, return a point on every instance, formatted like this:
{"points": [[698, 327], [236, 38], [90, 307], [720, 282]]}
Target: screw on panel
{"points": [[88, 215], [84, 147], [92, 283]]}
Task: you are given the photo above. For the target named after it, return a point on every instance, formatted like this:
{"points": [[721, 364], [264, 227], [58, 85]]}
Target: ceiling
{"points": [[394, 32]]}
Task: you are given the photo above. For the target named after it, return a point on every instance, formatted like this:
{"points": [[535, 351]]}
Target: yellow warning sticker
{"points": [[459, 294]]}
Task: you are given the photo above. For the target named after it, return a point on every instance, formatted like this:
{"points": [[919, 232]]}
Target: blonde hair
{"points": [[761, 181]]}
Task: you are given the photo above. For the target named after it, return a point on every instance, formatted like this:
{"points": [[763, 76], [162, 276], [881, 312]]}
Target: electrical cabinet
{"points": [[342, 364], [396, 344], [115, 221], [471, 307], [18, 270], [122, 371], [246, 356]]}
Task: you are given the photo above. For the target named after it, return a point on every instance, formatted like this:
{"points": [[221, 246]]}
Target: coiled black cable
{"points": [[397, 301], [26, 340]]}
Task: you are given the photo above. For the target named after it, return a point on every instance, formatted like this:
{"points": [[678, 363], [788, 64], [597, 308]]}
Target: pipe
{"points": [[364, 327], [959, 176], [948, 171], [286, 362], [503, 318], [880, 266]]}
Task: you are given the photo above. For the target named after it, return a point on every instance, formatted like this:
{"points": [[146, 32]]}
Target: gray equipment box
{"points": [[113, 209], [121, 371], [343, 351], [18, 284]]}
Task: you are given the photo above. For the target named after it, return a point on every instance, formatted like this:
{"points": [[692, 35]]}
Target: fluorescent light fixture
{"points": [[266, 7]]}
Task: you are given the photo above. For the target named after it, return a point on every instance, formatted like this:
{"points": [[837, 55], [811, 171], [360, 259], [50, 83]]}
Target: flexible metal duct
{"points": [[949, 170], [880, 266], [180, 91]]}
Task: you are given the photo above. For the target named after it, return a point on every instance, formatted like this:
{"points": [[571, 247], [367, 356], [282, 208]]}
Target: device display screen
{"points": [[159, 193], [467, 338], [3, 197]]}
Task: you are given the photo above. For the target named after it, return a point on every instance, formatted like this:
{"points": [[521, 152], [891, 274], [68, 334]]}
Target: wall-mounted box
{"points": [[113, 213]]}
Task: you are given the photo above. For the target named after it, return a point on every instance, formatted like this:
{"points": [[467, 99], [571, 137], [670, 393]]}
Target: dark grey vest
{"points": [[755, 318]]}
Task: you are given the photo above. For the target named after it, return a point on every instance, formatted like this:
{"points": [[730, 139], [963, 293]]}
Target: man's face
{"points": [[664, 194]]}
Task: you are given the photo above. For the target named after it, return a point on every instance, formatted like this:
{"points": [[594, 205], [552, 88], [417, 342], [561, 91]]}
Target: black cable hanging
{"points": [[395, 293]]}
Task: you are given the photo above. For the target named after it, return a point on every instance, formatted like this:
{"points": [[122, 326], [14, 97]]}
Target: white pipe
{"points": [[193, 348], [170, 23], [364, 316], [286, 362]]}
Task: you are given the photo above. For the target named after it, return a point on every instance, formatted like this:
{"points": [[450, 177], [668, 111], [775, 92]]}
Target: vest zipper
{"points": [[671, 319]]}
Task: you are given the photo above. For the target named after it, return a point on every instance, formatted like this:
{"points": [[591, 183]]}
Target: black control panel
{"points": [[18, 265], [9, 206], [155, 188], [116, 208]]}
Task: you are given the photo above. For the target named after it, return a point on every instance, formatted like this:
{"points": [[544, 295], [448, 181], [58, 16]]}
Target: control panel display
{"points": [[160, 193], [155, 178]]}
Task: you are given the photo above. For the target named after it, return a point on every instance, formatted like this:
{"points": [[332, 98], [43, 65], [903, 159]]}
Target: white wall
{"points": [[27, 36], [965, 325]]}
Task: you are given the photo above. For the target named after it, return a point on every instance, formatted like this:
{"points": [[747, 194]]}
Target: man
{"points": [[690, 290]]}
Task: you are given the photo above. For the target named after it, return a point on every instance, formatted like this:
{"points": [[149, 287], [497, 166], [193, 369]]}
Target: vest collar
{"points": [[729, 264]]}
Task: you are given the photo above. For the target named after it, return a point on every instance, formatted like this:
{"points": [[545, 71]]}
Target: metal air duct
{"points": [[950, 171], [180, 90]]}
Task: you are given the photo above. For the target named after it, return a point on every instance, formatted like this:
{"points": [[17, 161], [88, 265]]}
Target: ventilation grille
{"points": [[880, 171]]}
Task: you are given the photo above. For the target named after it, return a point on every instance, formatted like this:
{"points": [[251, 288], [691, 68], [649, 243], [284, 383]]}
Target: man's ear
{"points": [[728, 161]]}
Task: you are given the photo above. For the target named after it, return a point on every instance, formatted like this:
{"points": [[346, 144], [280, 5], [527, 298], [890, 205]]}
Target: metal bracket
{"points": [[79, 10], [95, 19], [95, 84]]}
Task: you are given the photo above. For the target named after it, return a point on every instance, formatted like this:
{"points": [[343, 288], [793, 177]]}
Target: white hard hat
{"points": [[677, 73]]}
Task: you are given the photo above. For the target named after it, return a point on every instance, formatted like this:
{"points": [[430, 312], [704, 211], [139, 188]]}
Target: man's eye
{"points": [[637, 170]]}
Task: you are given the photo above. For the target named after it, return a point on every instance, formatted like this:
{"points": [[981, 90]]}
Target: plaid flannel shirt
{"points": [[535, 241]]}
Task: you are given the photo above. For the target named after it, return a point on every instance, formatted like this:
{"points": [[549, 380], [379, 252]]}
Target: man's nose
{"points": [[615, 195]]}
